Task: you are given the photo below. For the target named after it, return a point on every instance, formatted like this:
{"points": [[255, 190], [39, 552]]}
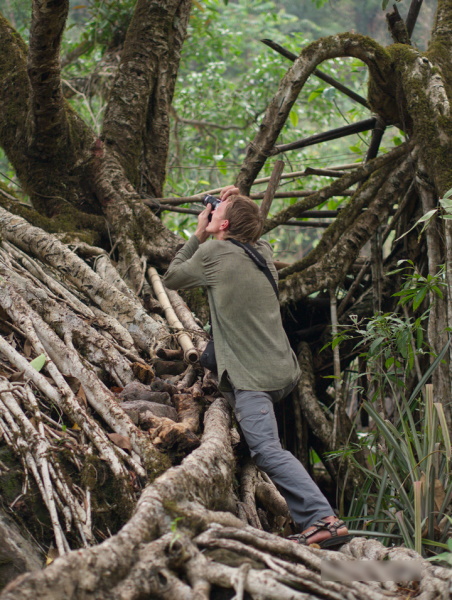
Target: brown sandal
{"points": [[320, 525]]}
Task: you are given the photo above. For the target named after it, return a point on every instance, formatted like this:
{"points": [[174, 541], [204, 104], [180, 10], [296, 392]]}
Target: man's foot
{"points": [[326, 533]]}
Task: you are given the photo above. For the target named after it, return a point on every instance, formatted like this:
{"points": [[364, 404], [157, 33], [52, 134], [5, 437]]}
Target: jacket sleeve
{"points": [[186, 269]]}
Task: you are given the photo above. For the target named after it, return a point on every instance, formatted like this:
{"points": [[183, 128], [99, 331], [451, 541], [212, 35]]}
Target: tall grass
{"points": [[407, 497]]}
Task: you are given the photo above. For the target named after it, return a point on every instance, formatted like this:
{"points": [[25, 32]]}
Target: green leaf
{"points": [[419, 298], [38, 362], [425, 218], [446, 203], [376, 343], [428, 215], [448, 194], [389, 362], [222, 167], [329, 93], [315, 94], [293, 116], [428, 373], [437, 291]]}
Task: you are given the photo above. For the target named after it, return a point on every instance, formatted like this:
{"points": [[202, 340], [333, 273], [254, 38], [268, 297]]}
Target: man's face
{"points": [[218, 222]]}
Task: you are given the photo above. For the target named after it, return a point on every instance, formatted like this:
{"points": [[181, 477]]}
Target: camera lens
{"points": [[213, 201], [208, 199]]}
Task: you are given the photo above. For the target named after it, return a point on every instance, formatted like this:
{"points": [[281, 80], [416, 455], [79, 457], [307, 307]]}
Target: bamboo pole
{"points": [[339, 399], [162, 203], [191, 355], [412, 15], [326, 136]]}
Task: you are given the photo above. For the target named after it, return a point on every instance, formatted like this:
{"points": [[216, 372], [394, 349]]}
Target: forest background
{"points": [[226, 79], [392, 480]]}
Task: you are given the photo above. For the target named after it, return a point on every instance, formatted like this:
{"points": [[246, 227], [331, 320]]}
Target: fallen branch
{"points": [[191, 355]]}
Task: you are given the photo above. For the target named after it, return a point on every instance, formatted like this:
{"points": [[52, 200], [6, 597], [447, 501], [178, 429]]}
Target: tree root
{"points": [[322, 427], [51, 251], [199, 550]]}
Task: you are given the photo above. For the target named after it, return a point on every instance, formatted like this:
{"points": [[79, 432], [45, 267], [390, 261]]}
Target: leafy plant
{"points": [[444, 211], [417, 287], [408, 491]]}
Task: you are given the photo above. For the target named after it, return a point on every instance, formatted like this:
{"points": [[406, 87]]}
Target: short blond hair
{"points": [[245, 220]]}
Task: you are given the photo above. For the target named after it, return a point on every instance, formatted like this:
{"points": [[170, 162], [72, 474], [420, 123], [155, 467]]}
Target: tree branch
{"points": [[330, 270], [336, 187], [397, 27], [346, 218], [323, 76], [326, 136], [271, 188], [277, 112], [48, 126], [197, 123], [377, 136], [154, 202], [76, 53]]}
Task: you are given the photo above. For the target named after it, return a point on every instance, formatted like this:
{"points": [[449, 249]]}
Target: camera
{"points": [[208, 199]]}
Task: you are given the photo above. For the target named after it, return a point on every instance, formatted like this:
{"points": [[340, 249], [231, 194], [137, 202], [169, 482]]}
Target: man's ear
{"points": [[224, 225]]}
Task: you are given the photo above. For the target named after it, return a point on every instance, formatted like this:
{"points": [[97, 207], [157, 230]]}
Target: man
{"points": [[256, 365]]}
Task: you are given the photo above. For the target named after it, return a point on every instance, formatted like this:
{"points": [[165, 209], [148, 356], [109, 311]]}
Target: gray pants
{"points": [[255, 414]]}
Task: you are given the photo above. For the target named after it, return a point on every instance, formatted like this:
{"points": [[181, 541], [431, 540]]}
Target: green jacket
{"points": [[251, 345]]}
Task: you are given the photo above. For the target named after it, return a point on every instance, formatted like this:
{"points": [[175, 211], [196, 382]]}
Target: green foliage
{"points": [[391, 343], [107, 20], [417, 287], [408, 489], [175, 533]]}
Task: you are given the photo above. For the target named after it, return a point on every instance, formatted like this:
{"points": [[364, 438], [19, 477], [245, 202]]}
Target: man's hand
{"points": [[228, 191], [203, 221]]}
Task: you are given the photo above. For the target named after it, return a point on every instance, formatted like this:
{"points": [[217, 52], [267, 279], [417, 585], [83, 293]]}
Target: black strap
{"points": [[259, 260]]}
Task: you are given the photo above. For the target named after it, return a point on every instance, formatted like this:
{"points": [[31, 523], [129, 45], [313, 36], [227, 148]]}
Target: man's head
{"points": [[237, 217]]}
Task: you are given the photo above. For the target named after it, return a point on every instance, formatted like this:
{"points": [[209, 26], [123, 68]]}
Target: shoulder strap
{"points": [[259, 260]]}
